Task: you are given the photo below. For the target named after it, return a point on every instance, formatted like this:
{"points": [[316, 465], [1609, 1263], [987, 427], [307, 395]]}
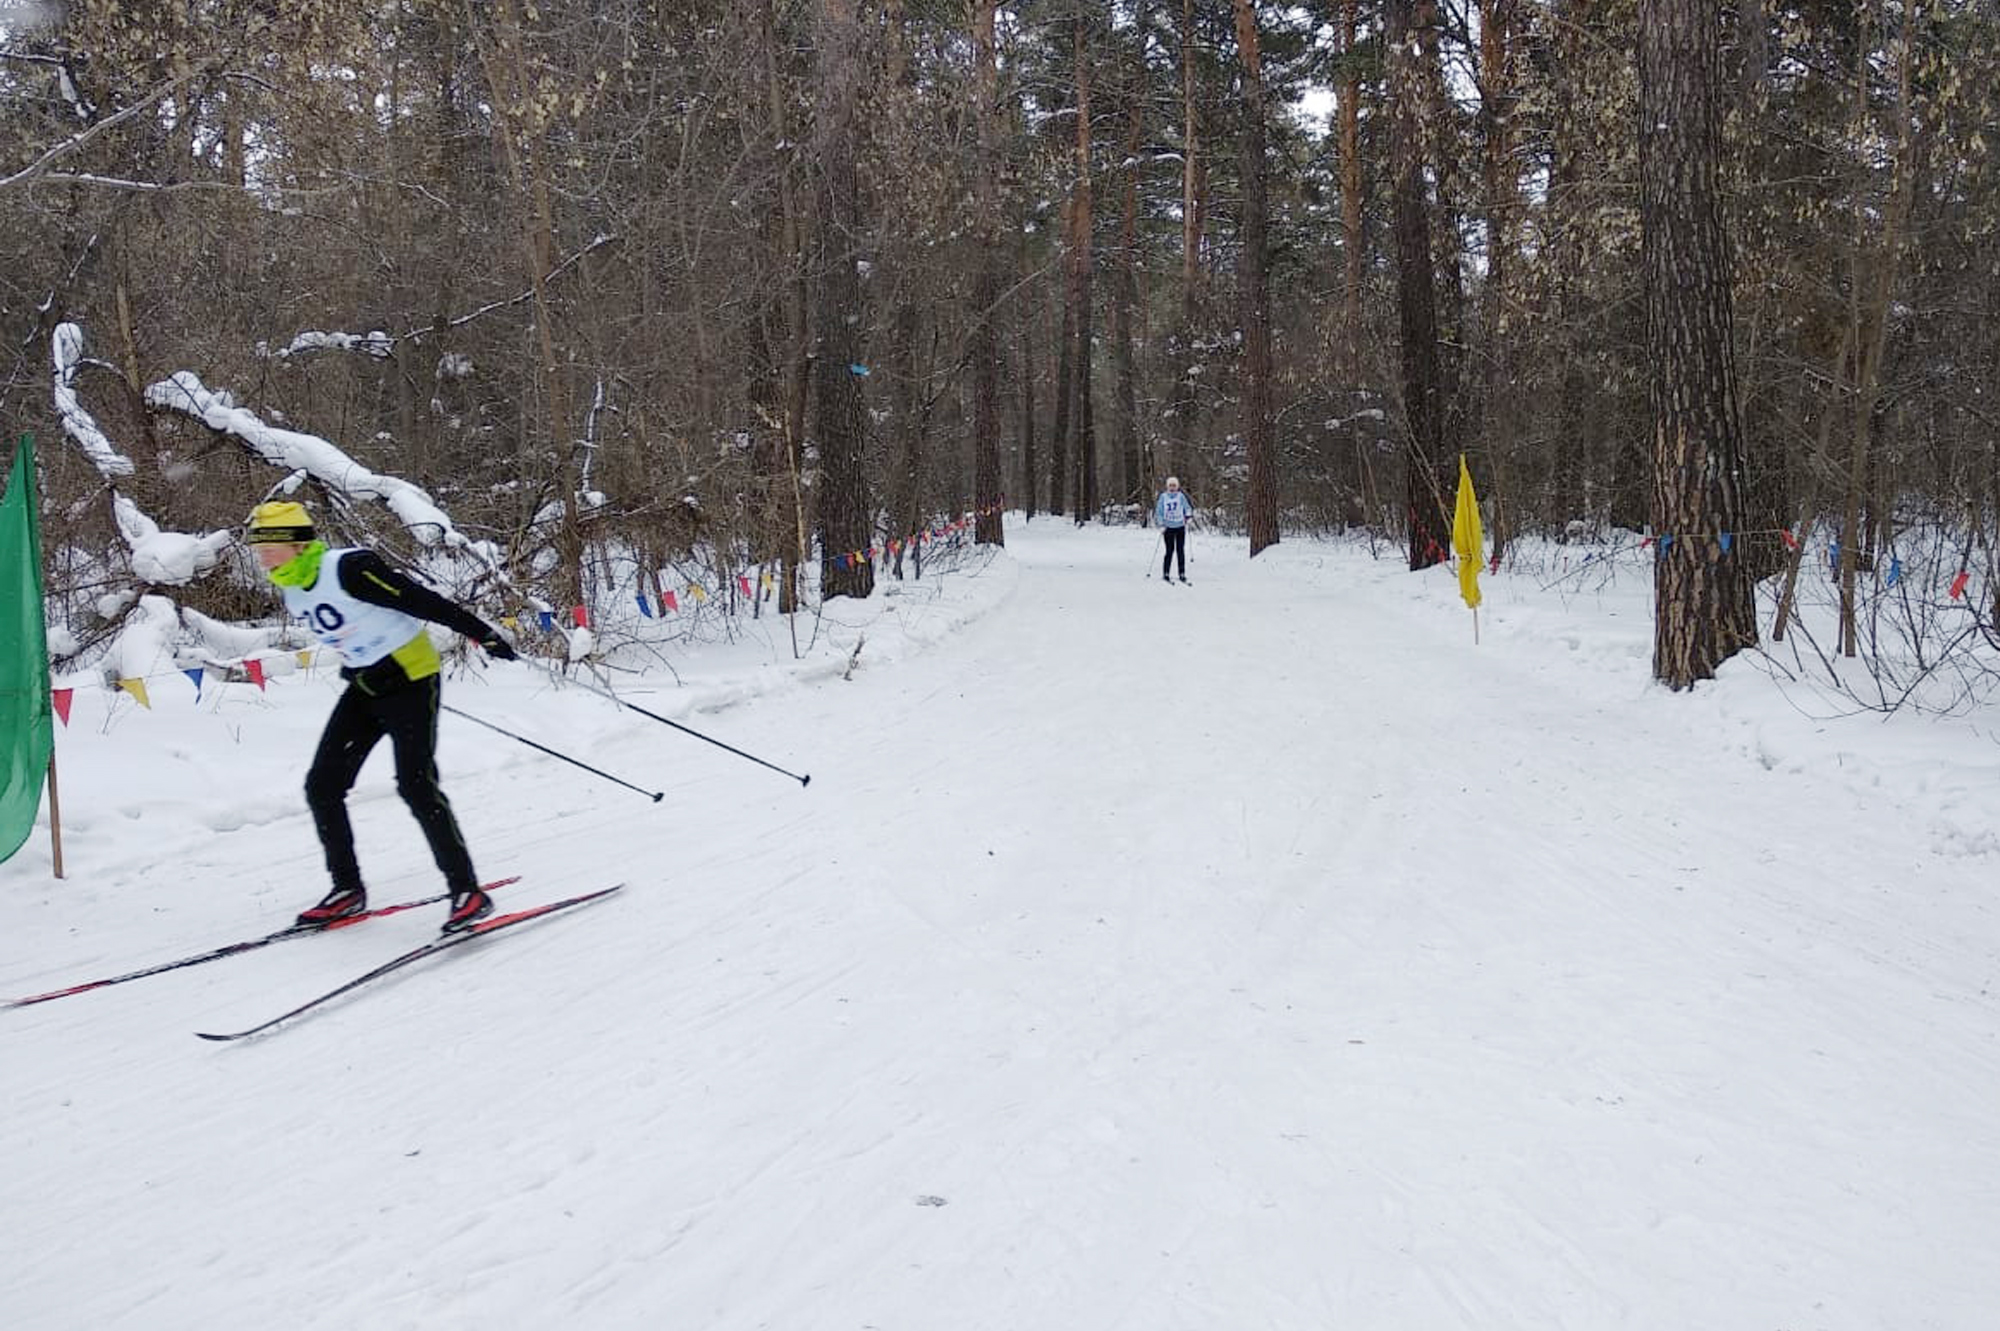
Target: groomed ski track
{"points": [[1259, 954]]}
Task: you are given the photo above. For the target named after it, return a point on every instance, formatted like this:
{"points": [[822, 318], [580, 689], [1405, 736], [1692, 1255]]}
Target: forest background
{"points": [[760, 284]]}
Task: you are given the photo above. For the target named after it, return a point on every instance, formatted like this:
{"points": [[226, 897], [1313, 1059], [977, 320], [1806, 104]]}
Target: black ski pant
{"points": [[1176, 547], [408, 716]]}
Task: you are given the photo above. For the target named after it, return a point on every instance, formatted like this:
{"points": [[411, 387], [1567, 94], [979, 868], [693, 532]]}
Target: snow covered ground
{"points": [[1255, 954]]}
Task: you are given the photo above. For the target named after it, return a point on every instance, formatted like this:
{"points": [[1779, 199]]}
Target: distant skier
{"points": [[1173, 510], [373, 618]]}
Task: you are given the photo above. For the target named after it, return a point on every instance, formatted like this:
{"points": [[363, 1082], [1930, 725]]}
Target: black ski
{"points": [[415, 954], [247, 945]]}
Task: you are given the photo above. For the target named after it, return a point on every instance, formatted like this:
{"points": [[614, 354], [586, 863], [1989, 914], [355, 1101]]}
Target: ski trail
{"points": [[1257, 953]]}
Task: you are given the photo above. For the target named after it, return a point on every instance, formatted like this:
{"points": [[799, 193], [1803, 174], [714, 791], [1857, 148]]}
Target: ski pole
{"points": [[805, 780], [802, 780], [655, 795]]}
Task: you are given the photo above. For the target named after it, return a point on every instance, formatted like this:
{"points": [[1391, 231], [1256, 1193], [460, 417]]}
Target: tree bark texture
{"points": [[1350, 185], [1125, 286], [1083, 228], [1261, 504], [984, 343], [1704, 611], [1426, 480], [845, 524], [1185, 405]]}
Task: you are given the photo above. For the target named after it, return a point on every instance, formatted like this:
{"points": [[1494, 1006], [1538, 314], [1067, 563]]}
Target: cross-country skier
{"points": [[373, 618], [1173, 510]]}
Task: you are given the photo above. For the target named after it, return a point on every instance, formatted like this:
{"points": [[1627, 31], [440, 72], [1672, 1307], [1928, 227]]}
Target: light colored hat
{"points": [[1174, 481]]}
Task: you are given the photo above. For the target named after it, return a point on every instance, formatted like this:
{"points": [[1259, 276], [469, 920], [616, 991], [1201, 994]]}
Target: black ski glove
{"points": [[499, 648]]}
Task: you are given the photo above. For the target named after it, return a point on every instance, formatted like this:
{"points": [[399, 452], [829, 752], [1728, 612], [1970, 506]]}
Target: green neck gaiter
{"points": [[302, 569]]}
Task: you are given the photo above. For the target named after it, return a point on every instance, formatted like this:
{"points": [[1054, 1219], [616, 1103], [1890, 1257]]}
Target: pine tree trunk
{"points": [[1350, 185], [782, 469], [1025, 335], [1185, 404], [1065, 344], [1083, 224], [1501, 186], [1261, 504], [1125, 290], [844, 517], [1425, 481], [1704, 611], [984, 344]]}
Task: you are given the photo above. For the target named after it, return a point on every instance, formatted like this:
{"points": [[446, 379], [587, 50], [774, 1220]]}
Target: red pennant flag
{"points": [[1791, 541], [1958, 584], [255, 669], [743, 582], [671, 601], [62, 699], [580, 616]]}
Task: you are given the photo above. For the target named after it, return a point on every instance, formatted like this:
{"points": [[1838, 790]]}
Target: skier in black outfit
{"points": [[373, 617]]}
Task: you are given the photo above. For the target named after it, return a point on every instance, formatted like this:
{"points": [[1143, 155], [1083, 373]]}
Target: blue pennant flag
{"points": [[548, 622], [1728, 539], [1665, 541], [645, 609], [1895, 571], [195, 675]]}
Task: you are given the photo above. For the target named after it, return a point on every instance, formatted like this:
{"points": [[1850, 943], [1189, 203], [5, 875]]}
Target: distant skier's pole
{"points": [[655, 795], [685, 730]]}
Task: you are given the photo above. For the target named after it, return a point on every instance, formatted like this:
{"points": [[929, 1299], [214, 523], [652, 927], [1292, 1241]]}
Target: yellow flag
{"points": [[137, 688], [1467, 541]]}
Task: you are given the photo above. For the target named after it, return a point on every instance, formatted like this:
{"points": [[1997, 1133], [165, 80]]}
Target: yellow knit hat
{"points": [[280, 521]]}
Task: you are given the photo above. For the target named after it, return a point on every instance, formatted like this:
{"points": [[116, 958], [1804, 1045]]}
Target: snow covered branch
{"points": [[322, 460], [377, 344], [78, 424]]}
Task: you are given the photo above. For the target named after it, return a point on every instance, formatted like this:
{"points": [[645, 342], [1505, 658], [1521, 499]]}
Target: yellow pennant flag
{"points": [[137, 688], [1467, 541]]}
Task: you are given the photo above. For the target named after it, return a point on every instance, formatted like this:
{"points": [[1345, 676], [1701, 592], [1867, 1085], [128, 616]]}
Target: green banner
{"points": [[27, 729]]}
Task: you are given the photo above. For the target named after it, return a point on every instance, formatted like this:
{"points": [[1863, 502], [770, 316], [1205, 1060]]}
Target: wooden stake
{"points": [[55, 816]]}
